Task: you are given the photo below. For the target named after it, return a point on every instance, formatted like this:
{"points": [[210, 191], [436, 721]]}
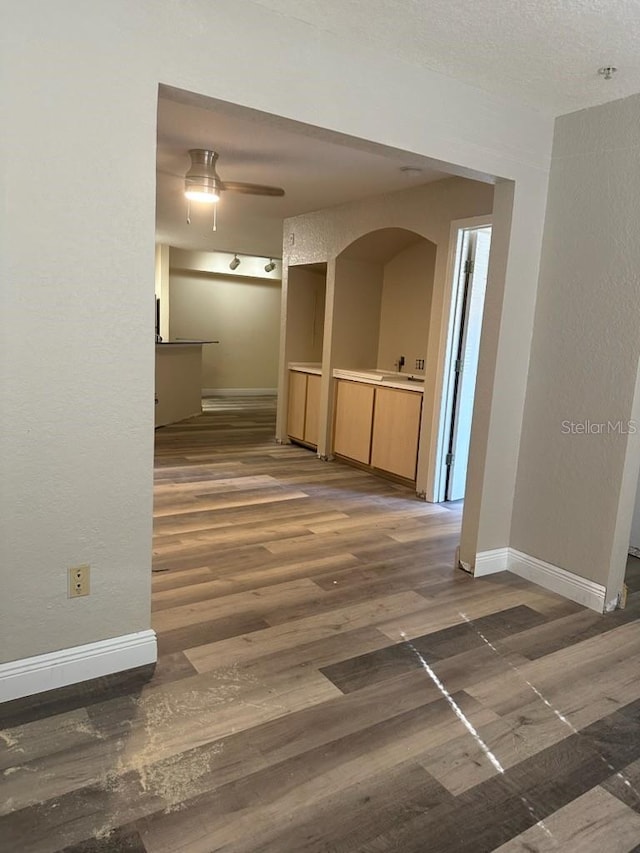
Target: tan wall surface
{"points": [[406, 306], [243, 314], [306, 304], [356, 320]]}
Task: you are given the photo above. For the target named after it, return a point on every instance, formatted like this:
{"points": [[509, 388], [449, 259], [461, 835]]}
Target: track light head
{"points": [[270, 266], [235, 263]]}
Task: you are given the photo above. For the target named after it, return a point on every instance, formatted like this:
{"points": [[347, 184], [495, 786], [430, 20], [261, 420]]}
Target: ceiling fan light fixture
{"points": [[235, 263], [270, 266], [201, 183], [203, 194]]}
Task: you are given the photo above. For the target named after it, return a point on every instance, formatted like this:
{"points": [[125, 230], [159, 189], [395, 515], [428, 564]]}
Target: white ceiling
{"points": [[316, 169], [543, 52]]}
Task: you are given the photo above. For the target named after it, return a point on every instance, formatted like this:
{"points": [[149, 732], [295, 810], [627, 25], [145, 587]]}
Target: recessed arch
{"points": [[382, 244]]}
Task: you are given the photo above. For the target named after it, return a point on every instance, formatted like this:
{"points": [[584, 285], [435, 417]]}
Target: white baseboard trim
{"points": [[80, 663], [490, 562], [585, 592], [576, 588], [239, 392]]}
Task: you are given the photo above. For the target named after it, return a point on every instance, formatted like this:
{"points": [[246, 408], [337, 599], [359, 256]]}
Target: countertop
{"points": [[403, 381], [306, 367], [183, 343]]}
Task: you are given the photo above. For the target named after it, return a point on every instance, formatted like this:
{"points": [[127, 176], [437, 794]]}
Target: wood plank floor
{"points": [[328, 682]]}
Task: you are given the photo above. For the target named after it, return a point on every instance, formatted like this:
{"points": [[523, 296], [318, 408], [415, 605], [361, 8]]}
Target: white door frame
{"points": [[444, 400]]}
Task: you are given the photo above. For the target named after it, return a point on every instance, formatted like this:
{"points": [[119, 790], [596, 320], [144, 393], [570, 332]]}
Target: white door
{"points": [[475, 247]]}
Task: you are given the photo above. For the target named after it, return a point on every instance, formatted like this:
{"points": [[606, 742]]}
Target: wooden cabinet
{"points": [[312, 410], [354, 420], [396, 430], [297, 404], [378, 426], [304, 407]]}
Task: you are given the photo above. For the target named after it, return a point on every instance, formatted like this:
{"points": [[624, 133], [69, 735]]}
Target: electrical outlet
{"points": [[419, 363], [78, 581]]}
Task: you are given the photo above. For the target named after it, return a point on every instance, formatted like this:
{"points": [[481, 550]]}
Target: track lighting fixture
{"points": [[235, 263], [270, 266]]}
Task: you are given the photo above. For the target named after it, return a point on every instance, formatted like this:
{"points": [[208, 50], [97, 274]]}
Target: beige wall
{"points": [[575, 492], [243, 314], [406, 306], [356, 313], [306, 296]]}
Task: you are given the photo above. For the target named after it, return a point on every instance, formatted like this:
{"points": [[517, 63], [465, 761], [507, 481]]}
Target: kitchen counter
{"points": [[183, 343], [178, 380], [404, 381]]}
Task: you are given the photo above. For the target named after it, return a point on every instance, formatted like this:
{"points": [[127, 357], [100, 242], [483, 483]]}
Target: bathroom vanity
{"points": [[377, 420]]}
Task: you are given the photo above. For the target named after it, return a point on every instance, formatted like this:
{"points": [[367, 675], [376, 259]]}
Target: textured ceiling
{"points": [[543, 52]]}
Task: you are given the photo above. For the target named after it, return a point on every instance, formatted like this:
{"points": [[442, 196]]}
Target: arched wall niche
{"points": [[382, 294]]}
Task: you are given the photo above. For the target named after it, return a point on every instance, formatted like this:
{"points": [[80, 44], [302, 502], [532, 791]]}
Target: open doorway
{"points": [[473, 245], [334, 177]]}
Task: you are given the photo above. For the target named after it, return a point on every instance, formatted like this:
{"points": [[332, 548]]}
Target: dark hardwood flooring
{"points": [[327, 681]]}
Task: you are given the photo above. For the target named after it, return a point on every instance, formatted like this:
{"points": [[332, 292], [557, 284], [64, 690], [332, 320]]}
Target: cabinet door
{"points": [[354, 417], [312, 413], [297, 404], [396, 428]]}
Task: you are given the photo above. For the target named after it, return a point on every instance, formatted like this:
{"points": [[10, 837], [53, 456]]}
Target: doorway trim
{"points": [[438, 481]]}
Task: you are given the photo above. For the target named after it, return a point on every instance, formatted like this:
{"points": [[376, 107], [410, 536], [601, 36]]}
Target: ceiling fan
{"points": [[203, 183]]}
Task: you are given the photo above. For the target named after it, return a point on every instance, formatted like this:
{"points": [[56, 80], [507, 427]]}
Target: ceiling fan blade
{"points": [[251, 189]]}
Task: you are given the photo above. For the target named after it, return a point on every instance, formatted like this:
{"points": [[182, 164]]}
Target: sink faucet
{"points": [[400, 363]]}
